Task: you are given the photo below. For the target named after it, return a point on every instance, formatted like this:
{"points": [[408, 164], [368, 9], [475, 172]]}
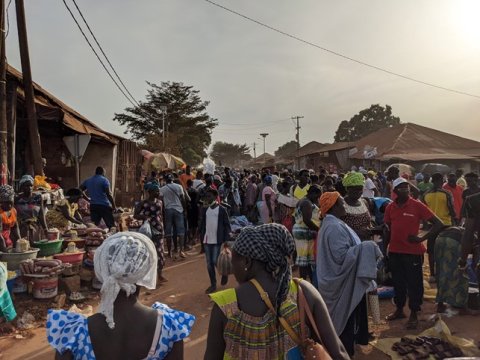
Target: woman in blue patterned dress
{"points": [[123, 328]]}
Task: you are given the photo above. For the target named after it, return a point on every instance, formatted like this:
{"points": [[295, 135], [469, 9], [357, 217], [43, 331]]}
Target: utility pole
{"points": [[3, 101], [297, 137], [264, 135], [254, 151], [163, 109], [35, 144]]}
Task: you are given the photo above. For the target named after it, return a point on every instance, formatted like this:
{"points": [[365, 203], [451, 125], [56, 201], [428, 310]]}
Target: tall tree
{"points": [[369, 120], [188, 126], [227, 154], [287, 150]]}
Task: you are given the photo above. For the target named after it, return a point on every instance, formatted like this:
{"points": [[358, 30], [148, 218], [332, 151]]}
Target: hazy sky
{"points": [[257, 79]]}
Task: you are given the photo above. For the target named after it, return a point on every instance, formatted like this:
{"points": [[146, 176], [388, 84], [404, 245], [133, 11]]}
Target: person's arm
{"points": [[136, 213], [66, 215], [329, 337], [108, 192], [387, 228], [3, 243], [451, 207], [215, 341], [177, 351], [306, 209], [437, 226], [78, 216], [269, 205], [41, 216]]}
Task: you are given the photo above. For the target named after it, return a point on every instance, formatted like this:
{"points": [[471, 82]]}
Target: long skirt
{"points": [[304, 243], [452, 283]]}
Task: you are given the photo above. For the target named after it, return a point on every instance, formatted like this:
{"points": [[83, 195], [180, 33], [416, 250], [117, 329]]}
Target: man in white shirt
{"points": [[214, 231], [173, 197], [369, 189]]}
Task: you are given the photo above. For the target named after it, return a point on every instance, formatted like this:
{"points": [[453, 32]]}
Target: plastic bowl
{"points": [[48, 248], [79, 243], [70, 258], [13, 259]]}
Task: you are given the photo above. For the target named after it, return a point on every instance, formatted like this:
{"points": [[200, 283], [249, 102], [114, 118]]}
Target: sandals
{"points": [[396, 315]]}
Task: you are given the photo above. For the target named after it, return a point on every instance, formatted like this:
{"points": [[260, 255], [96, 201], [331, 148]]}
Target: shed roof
{"points": [[310, 148]]}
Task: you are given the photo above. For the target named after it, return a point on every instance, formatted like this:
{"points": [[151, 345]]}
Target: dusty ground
{"points": [[185, 291]]}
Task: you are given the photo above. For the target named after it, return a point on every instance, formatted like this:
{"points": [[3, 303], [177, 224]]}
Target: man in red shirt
{"points": [[405, 249], [186, 176], [456, 191]]}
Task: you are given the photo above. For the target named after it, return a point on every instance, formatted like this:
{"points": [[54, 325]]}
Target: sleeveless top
{"points": [[257, 337], [358, 217], [68, 331]]}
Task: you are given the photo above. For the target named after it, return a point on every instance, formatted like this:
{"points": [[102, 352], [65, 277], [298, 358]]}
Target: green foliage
{"points": [[287, 150], [188, 125], [365, 122], [227, 154]]}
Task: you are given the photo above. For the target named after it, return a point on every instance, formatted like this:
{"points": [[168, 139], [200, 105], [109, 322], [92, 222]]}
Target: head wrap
{"points": [[123, 261], [372, 173], [419, 177], [273, 245], [6, 193], [25, 179], [353, 178], [151, 186], [268, 179], [327, 201]]}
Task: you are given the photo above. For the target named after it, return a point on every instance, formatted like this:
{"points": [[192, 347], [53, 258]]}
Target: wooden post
{"points": [[12, 127], [34, 136], [3, 100]]}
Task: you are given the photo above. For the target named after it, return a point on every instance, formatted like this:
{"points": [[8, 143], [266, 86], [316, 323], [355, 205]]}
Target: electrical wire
{"points": [[103, 52], [378, 68]]}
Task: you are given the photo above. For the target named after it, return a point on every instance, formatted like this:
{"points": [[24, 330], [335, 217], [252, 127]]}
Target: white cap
{"points": [[399, 181]]}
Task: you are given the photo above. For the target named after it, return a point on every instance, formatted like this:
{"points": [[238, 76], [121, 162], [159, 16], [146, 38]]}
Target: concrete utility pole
{"points": [[3, 101], [264, 135], [34, 136], [163, 109], [297, 137], [254, 151]]}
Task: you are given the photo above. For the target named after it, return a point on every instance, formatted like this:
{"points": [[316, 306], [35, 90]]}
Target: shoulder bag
{"points": [[311, 350]]}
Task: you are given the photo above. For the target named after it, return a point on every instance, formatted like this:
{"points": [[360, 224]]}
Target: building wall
{"points": [[99, 154]]}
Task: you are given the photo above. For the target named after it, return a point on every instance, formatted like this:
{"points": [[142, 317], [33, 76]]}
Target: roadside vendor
{"points": [[8, 223], [66, 211], [7, 310], [30, 211]]}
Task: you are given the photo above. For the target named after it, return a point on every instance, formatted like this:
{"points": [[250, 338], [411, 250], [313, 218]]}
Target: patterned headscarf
{"points": [[6, 193], [327, 201], [353, 178], [273, 245], [123, 261], [25, 179]]}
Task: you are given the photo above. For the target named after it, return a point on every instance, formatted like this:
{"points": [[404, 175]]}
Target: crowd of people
{"points": [[341, 231]]}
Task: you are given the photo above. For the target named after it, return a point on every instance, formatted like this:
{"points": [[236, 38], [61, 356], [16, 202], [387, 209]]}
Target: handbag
{"points": [[224, 261], [310, 349]]}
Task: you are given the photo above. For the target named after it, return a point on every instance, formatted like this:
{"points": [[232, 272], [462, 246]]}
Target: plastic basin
{"points": [[48, 248], [70, 258], [13, 259]]}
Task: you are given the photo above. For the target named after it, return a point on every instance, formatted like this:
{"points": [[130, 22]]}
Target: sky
{"points": [[257, 79]]}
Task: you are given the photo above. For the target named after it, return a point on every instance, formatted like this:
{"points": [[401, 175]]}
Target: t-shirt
{"points": [[424, 187], [441, 203], [368, 189], [211, 226], [457, 192], [172, 193], [184, 178], [472, 211], [198, 184], [97, 187], [405, 221]]}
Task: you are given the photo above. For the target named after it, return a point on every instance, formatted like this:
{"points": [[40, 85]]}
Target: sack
{"points": [[224, 261], [146, 229], [310, 348]]}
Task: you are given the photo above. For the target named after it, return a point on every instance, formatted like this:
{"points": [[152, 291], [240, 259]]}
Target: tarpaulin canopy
{"points": [[161, 161]]}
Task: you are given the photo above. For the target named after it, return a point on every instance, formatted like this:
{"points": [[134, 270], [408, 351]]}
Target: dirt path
{"points": [[185, 291]]}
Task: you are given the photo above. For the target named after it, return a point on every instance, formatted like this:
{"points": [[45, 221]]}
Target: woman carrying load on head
{"points": [[123, 328], [9, 232]]}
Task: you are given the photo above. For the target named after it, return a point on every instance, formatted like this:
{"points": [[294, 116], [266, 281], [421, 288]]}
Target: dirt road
{"points": [[185, 290]]}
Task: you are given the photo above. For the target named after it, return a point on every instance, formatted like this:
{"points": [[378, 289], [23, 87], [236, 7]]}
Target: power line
{"points": [[294, 37], [265, 122], [103, 52], [96, 54]]}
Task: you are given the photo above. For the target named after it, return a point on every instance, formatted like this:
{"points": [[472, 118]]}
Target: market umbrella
{"points": [[404, 169], [163, 161], [431, 168]]}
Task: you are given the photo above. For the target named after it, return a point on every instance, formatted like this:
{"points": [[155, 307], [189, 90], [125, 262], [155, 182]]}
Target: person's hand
{"points": [[414, 239]]}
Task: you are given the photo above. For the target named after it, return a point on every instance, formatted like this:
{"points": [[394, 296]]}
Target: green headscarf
{"points": [[353, 178]]}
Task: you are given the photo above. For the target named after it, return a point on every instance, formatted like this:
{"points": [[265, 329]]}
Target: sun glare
{"points": [[467, 22]]}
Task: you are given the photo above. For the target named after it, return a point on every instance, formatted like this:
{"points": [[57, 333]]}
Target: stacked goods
{"points": [[95, 237], [71, 255], [423, 347], [53, 234], [133, 223], [23, 245], [42, 267]]}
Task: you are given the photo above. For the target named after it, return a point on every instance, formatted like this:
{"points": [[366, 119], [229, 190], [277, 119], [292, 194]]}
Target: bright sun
{"points": [[468, 15]]}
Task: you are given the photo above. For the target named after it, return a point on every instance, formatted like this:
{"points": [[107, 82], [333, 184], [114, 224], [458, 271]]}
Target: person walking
{"points": [[102, 203], [174, 202], [268, 198], [405, 249], [214, 231], [187, 175], [456, 190]]}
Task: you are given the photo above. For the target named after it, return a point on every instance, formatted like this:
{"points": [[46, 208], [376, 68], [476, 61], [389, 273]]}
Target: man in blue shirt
{"points": [[102, 203]]}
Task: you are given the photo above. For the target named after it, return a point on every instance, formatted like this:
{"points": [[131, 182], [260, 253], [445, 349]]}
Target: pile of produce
{"points": [[95, 237], [23, 245], [133, 223], [423, 347], [47, 267]]}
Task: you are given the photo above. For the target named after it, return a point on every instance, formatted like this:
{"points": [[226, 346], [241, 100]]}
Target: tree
{"points": [[227, 154], [365, 122], [187, 123], [287, 150]]}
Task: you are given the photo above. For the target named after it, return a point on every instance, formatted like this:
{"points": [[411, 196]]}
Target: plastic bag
{"points": [[224, 261], [146, 229]]}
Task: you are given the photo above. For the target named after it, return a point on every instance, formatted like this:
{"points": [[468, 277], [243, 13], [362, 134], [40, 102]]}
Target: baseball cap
{"points": [[399, 181]]}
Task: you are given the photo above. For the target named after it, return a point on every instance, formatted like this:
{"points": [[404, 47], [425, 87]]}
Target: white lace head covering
{"points": [[123, 261]]}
